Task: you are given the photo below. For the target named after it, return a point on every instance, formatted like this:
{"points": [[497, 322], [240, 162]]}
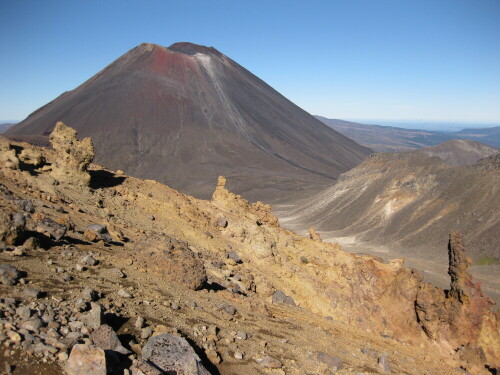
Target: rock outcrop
{"points": [[8, 157], [462, 316], [74, 156], [223, 198]]}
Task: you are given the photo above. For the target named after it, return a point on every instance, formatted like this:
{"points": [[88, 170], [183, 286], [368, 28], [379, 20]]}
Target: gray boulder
{"points": [[52, 229], [280, 297], [171, 353], [8, 274], [105, 338], [101, 232]]}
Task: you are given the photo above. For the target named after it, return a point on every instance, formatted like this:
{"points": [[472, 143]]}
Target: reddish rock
{"points": [[86, 360]]}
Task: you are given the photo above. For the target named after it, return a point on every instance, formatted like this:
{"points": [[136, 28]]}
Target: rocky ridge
{"points": [[108, 273]]}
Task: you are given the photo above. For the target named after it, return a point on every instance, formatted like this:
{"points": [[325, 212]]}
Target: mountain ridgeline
{"points": [[185, 114], [392, 139]]}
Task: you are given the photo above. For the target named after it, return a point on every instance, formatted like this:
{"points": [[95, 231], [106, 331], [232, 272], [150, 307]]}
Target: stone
{"points": [[93, 318], [86, 360], [221, 222], [26, 205], [89, 295], [32, 292], [124, 294], [74, 156], [144, 368], [32, 325], [241, 335], [238, 354], [172, 353], [334, 363], [146, 333], [89, 260], [96, 232], [31, 243], [234, 256], [280, 297], [139, 323], [62, 356], [23, 312], [227, 308], [117, 272], [105, 338], [9, 275], [19, 219], [269, 362], [51, 229], [14, 336]]}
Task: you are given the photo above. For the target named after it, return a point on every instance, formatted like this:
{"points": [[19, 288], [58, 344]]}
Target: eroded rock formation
{"points": [[462, 316], [74, 156]]}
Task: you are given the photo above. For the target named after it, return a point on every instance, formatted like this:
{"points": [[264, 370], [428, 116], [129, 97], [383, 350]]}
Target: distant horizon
{"points": [[429, 125]]}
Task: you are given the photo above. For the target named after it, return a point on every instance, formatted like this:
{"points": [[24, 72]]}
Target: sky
{"points": [[400, 60]]}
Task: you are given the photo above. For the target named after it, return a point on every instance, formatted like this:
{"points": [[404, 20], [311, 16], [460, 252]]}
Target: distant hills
{"points": [[391, 139], [5, 126], [185, 114]]}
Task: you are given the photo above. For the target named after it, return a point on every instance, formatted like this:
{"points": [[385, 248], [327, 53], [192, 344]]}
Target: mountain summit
{"points": [[185, 114]]}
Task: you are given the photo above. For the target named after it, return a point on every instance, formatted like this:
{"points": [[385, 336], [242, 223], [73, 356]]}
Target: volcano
{"points": [[185, 114]]}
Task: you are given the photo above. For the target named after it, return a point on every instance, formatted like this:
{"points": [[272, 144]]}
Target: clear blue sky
{"points": [[433, 60]]}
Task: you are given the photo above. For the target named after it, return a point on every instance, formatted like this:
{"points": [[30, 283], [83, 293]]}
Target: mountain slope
{"points": [[392, 139], [185, 114], [409, 201]]}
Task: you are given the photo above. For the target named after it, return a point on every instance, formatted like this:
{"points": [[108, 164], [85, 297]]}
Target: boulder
{"points": [[105, 338], [179, 264], [280, 297], [97, 232], [51, 229], [9, 274], [10, 231], [86, 360], [172, 353], [93, 318]]}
